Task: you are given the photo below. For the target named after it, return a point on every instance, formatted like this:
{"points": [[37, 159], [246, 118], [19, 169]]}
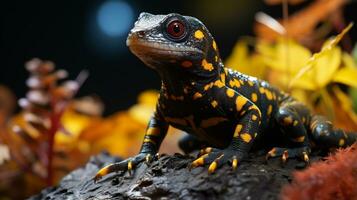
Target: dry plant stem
{"points": [[55, 121], [58, 107], [338, 21]]}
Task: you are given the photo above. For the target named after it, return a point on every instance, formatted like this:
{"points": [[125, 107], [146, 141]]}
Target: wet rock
{"points": [[169, 177]]}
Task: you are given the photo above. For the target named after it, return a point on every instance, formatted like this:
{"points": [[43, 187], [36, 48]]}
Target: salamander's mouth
{"points": [[142, 47]]}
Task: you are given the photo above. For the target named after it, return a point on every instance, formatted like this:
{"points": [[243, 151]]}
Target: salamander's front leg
{"points": [[249, 120], [155, 133]]}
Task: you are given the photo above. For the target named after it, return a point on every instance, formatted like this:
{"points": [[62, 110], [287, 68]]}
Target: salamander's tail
{"points": [[325, 135]]}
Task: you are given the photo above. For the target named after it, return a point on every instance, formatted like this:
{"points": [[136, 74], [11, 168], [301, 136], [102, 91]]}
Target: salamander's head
{"points": [[174, 43]]}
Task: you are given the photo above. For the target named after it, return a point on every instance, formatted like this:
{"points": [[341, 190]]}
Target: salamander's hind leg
{"points": [[190, 143], [291, 118]]}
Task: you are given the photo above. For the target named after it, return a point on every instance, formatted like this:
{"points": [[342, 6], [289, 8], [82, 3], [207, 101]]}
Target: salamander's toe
{"points": [[215, 164], [285, 156], [205, 151], [199, 161], [234, 163], [286, 153], [102, 172], [306, 157], [215, 158]]}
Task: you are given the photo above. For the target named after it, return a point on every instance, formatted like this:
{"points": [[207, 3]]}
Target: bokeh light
{"points": [[109, 23], [115, 18]]}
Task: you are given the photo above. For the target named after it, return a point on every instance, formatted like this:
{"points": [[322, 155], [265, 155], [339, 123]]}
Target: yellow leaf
{"points": [[305, 82], [348, 60], [347, 76], [285, 56], [300, 95], [148, 97], [326, 66], [238, 56], [326, 48], [241, 61]]}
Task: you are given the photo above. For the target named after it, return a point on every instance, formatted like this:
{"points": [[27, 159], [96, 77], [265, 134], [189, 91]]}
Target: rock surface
{"points": [[169, 177]]}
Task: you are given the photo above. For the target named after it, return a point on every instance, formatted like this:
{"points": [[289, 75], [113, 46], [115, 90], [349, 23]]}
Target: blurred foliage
{"points": [[55, 132], [82, 132], [313, 78], [353, 93], [303, 25]]}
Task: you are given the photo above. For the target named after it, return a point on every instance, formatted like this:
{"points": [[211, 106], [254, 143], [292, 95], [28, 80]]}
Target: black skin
{"points": [[224, 111]]}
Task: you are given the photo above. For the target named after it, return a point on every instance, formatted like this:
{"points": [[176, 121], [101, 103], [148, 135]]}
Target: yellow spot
{"points": [[219, 83], [313, 125], [153, 131], [214, 103], [240, 102], [255, 135], [270, 109], [254, 107], [223, 78], [254, 97], [214, 45], [216, 58], [341, 142], [303, 120], [230, 92], [211, 121], [234, 83], [299, 139], [246, 137], [254, 117], [199, 34], [148, 140], [197, 95], [269, 95], [238, 130], [295, 123], [186, 64], [250, 83], [208, 86], [288, 120], [241, 82], [206, 65], [262, 90]]}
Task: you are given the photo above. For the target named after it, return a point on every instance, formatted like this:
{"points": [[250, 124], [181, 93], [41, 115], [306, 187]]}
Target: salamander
{"points": [[225, 113]]}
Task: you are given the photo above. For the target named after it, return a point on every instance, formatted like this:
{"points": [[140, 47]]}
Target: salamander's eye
{"points": [[176, 29]]}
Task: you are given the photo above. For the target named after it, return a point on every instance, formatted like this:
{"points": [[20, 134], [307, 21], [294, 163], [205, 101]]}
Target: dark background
{"points": [[67, 33]]}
